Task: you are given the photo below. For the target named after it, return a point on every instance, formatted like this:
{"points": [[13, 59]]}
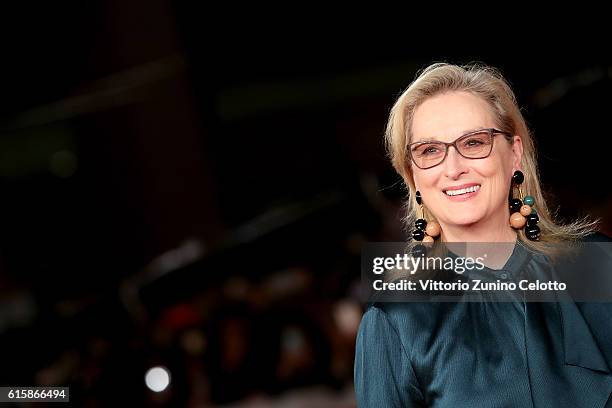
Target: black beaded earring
{"points": [[522, 211], [424, 231]]}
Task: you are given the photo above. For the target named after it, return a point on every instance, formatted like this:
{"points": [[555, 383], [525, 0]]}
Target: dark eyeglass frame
{"points": [[492, 132]]}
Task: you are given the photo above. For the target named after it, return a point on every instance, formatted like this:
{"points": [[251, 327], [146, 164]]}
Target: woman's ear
{"points": [[517, 151]]}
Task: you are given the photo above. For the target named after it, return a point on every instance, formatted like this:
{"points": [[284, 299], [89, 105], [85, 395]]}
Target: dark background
{"points": [[186, 188]]}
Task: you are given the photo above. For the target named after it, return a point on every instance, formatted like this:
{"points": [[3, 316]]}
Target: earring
{"points": [[424, 231], [522, 209]]}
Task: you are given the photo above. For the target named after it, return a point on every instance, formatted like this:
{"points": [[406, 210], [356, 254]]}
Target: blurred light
{"points": [[293, 340], [347, 315], [188, 252], [157, 379], [63, 164], [193, 342]]}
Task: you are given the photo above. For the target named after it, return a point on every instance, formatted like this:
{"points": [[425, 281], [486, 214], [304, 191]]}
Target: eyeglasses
{"points": [[473, 145]]}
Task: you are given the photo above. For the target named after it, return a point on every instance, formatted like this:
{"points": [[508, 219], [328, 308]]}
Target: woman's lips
{"points": [[462, 193]]}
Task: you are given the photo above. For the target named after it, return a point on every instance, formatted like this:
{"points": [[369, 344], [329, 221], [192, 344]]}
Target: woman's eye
{"points": [[473, 142], [430, 150]]}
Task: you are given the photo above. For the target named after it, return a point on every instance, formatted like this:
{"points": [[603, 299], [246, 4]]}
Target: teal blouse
{"points": [[486, 354]]}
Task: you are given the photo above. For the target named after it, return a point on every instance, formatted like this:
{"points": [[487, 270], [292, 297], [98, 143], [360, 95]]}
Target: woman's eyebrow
{"points": [[465, 132]]}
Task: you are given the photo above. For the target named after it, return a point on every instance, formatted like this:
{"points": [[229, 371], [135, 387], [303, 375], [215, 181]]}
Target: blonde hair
{"points": [[487, 83]]}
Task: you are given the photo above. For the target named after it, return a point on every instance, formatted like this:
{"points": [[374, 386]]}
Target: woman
{"points": [[462, 147]]}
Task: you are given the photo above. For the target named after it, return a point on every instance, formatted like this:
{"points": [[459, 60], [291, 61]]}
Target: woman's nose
{"points": [[453, 164]]}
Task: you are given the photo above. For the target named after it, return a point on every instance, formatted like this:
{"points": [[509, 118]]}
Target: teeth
{"points": [[462, 191]]}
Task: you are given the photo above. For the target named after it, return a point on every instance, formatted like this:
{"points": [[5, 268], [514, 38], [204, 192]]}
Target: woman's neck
{"points": [[493, 241], [491, 231]]}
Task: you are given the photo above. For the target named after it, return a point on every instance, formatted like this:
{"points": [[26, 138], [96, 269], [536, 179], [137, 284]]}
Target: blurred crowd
{"points": [[261, 320]]}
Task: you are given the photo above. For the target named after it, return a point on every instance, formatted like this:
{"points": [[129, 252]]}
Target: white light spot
{"points": [[157, 379]]}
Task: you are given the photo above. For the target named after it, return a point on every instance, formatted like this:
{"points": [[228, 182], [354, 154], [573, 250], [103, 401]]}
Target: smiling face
{"points": [[463, 192]]}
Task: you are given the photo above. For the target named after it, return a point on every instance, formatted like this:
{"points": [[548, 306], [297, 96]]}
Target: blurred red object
{"points": [[180, 316]]}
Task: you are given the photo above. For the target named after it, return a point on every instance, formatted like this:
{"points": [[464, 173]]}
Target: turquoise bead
{"points": [[533, 210], [528, 200]]}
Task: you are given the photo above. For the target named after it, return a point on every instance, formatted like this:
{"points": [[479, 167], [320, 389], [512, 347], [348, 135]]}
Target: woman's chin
{"points": [[464, 221]]}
